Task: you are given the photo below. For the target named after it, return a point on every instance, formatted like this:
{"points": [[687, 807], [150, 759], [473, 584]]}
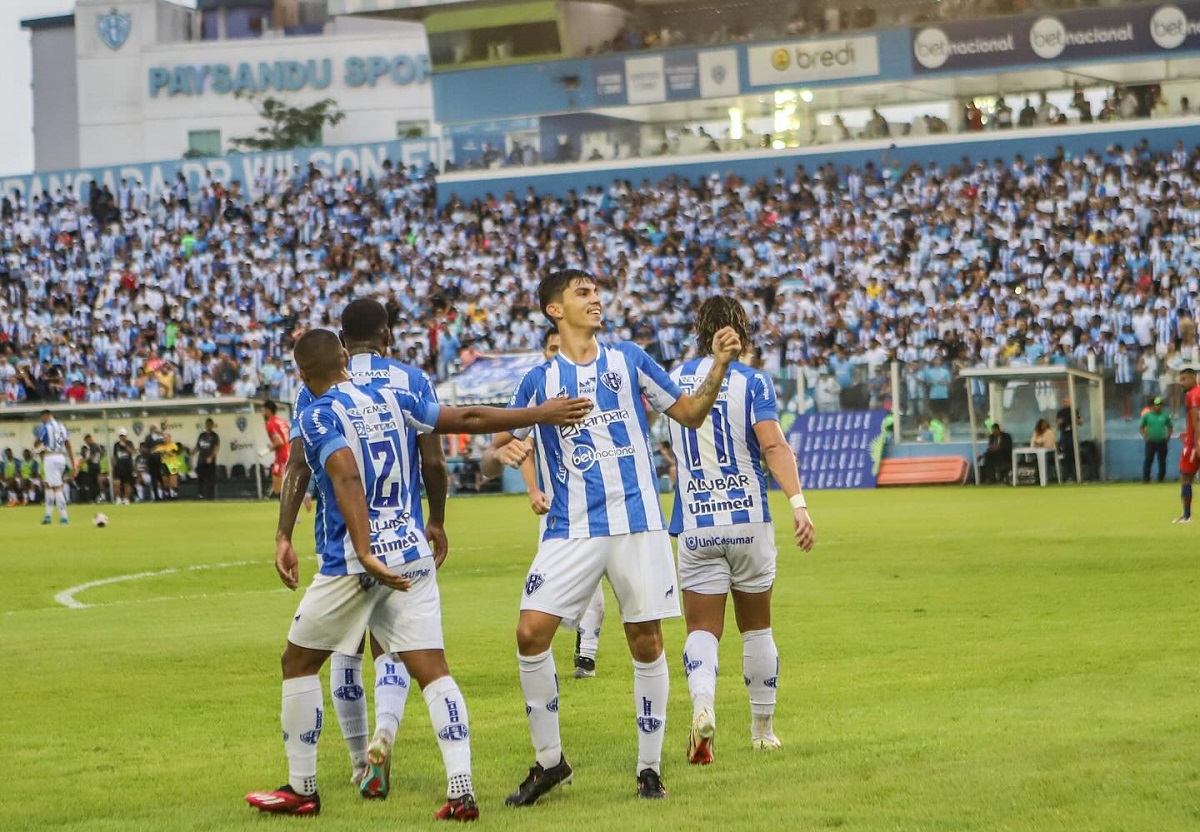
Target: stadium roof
{"points": [[55, 22]]}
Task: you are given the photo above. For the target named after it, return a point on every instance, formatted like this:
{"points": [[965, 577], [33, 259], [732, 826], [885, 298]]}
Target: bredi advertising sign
{"points": [[1070, 36]]}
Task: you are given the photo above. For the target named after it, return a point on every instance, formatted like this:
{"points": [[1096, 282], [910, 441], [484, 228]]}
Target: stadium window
{"points": [[204, 143], [412, 129]]}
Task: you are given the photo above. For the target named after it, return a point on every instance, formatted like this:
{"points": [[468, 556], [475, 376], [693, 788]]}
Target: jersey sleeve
{"points": [[420, 413], [763, 405], [425, 388], [526, 395], [652, 379], [321, 431], [303, 400]]}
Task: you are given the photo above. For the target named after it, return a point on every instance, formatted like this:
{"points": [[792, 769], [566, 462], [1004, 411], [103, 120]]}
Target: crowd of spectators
{"points": [[1090, 261]]}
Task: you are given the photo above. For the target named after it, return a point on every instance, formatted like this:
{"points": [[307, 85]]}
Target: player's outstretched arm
{"points": [[437, 484], [352, 503], [692, 409], [782, 464], [296, 475], [557, 411]]}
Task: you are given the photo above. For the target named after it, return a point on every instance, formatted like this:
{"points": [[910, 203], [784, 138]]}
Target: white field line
{"points": [[67, 599]]}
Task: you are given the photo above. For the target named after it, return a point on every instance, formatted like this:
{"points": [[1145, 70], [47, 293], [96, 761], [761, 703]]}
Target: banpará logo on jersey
{"points": [[348, 693], [369, 429], [583, 457], [114, 28], [613, 380], [533, 583], [601, 419]]}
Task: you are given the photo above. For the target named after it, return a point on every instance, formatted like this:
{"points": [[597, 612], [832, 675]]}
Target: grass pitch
{"points": [[952, 659]]}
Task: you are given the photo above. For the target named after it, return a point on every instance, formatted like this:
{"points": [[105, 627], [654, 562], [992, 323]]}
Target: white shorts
{"points": [[565, 574], [337, 609], [53, 466], [714, 560]]}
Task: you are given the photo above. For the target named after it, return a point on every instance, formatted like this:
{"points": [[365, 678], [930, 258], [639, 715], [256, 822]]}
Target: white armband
{"points": [[798, 502]]}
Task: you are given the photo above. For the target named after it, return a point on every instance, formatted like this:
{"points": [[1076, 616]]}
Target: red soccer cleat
{"points": [[462, 809], [285, 801], [700, 743]]}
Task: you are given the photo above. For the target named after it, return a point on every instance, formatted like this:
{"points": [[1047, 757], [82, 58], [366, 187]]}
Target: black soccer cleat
{"points": [[540, 782], [585, 668], [650, 785]]}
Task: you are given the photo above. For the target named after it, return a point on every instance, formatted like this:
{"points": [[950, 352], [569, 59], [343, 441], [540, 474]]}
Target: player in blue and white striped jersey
{"points": [[604, 518], [367, 338], [53, 440], [723, 524], [355, 439]]}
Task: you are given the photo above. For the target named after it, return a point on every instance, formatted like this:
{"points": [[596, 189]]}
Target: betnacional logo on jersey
{"points": [[114, 28], [533, 583], [585, 456], [613, 380]]}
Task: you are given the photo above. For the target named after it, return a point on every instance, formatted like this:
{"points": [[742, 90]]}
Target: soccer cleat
{"points": [[700, 744], [46, 521], [359, 774], [768, 743], [650, 785], [377, 782], [1177, 521], [285, 801], [585, 668], [62, 522], [540, 782], [463, 809]]}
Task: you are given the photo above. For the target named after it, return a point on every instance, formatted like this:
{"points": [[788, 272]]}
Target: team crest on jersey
{"points": [[533, 583], [242, 424], [114, 28], [613, 380], [138, 427]]}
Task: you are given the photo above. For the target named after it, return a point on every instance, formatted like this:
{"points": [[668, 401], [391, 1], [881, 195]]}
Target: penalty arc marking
{"points": [[67, 597]]}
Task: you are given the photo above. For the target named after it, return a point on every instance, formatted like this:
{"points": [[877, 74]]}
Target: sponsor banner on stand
{"points": [[838, 450]]}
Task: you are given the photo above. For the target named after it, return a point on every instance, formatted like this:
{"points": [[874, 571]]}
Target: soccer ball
{"points": [[100, 520]]}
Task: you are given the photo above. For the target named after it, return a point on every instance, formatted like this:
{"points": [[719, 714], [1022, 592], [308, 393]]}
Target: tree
{"points": [[286, 126]]}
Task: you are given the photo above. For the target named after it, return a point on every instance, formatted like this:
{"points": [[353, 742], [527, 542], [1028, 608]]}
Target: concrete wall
{"points": [[55, 107]]}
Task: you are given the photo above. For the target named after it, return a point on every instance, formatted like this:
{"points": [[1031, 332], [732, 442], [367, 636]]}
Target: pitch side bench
{"points": [[930, 470]]}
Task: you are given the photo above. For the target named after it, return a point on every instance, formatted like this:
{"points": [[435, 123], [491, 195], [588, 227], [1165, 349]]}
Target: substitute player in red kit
{"points": [[277, 435], [1189, 458]]}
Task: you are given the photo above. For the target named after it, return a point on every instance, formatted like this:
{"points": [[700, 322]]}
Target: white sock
{"points": [[700, 669], [651, 687], [589, 625], [302, 716], [49, 502], [448, 715], [760, 667], [60, 499], [391, 693], [349, 704], [539, 684]]}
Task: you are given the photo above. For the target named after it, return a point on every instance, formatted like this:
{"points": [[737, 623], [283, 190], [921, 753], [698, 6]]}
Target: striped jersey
{"points": [[601, 472], [53, 436], [373, 371], [719, 467], [375, 424]]}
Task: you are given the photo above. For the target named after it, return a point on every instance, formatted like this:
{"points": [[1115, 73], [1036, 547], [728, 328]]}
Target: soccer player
{"points": [[1189, 458], [604, 519], [367, 338], [723, 524], [123, 454], [376, 568], [587, 635], [277, 435], [53, 440]]}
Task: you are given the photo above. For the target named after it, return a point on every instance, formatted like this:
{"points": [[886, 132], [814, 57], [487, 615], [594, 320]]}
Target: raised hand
{"points": [[727, 346], [559, 411]]}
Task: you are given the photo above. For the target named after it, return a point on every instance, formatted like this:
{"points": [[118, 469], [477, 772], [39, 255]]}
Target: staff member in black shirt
{"points": [[89, 470], [207, 445], [122, 467]]}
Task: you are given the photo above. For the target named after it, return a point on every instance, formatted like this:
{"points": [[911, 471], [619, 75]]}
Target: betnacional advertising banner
{"points": [[1091, 34]]}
